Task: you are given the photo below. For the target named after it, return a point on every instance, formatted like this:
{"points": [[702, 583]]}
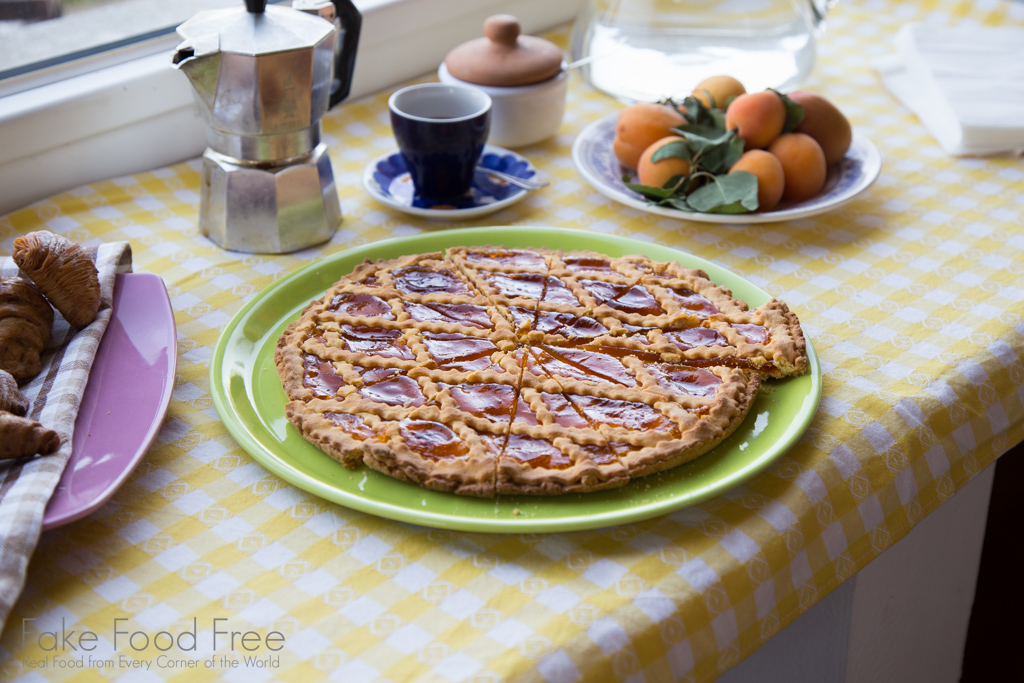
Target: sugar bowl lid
{"points": [[503, 57]]}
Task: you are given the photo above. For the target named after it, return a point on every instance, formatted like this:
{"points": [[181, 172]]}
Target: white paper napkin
{"points": [[965, 84]]}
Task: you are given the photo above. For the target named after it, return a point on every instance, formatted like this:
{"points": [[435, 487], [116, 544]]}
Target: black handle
{"points": [[256, 6], [351, 22]]}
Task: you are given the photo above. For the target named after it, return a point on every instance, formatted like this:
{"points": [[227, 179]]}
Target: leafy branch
{"points": [[711, 150]]}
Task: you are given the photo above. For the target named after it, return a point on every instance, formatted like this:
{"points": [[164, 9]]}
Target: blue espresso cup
{"points": [[441, 130]]}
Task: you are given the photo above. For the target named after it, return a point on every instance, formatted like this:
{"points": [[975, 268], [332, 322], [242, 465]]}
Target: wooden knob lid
{"points": [[503, 57]]}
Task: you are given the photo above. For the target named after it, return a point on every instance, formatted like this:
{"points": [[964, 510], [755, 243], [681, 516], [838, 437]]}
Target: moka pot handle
{"points": [[351, 22]]}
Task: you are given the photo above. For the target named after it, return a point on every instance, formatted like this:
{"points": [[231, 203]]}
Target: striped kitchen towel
{"points": [[55, 395]]}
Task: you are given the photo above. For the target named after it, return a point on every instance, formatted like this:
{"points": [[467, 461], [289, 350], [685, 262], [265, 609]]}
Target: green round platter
{"points": [[248, 397]]}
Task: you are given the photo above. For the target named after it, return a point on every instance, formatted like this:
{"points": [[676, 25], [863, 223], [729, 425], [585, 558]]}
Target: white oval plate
{"points": [[595, 161]]}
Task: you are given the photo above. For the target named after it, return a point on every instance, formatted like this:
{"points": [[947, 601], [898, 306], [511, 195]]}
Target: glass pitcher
{"points": [[647, 50]]}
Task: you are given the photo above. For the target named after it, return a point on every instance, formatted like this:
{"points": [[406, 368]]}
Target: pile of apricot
{"points": [[789, 165]]}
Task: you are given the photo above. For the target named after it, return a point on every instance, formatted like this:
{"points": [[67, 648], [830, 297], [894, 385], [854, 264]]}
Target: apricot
{"points": [[639, 126], [658, 173], [758, 118], [722, 88], [803, 163], [825, 123], [771, 178]]}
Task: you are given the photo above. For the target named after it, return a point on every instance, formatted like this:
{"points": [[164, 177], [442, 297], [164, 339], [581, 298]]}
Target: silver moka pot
{"points": [[262, 78]]}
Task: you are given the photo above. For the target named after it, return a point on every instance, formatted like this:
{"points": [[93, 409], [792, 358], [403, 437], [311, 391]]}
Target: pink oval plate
{"points": [[125, 401]]}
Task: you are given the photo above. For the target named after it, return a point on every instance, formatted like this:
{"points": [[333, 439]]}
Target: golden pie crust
{"points": [[492, 370]]}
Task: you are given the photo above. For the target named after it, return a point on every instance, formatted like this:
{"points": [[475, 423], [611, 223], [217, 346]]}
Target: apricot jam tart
{"points": [[492, 370]]}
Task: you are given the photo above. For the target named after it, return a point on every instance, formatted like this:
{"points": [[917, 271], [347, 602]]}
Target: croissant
{"points": [[63, 271], [25, 322], [11, 399], [20, 437]]}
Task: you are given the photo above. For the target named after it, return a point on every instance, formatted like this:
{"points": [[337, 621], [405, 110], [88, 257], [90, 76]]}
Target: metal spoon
{"points": [[513, 180], [604, 53]]}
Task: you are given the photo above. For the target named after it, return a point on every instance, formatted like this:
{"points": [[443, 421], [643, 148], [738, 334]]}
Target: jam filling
{"points": [[622, 352], [493, 401], [423, 280], [319, 377], [569, 325], [599, 454], [625, 298], [536, 452], [626, 414], [370, 281], [508, 257], [374, 375], [755, 334], [591, 264], [395, 389], [564, 412], [637, 329], [461, 314], [493, 445], [522, 318], [557, 292], [376, 341], [529, 363], [696, 336], [523, 413], [366, 305], [518, 285], [692, 301], [432, 440], [583, 365], [685, 379], [460, 352], [353, 425]]}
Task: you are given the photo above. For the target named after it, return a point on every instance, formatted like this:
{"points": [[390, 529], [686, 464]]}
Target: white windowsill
{"points": [[139, 115]]}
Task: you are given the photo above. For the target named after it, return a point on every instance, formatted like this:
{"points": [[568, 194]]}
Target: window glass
{"points": [[36, 34]]}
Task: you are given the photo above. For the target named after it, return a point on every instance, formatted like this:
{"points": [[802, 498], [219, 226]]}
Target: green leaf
{"points": [[722, 157], [675, 105], [718, 116], [713, 150], [707, 133], [677, 149], [698, 115], [731, 193], [711, 99], [794, 112], [679, 203], [649, 192]]}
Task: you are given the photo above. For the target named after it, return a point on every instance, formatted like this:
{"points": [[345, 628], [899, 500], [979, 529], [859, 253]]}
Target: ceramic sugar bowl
{"points": [[524, 76]]}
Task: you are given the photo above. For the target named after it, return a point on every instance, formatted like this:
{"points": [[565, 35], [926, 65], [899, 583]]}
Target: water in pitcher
{"points": [[647, 50]]}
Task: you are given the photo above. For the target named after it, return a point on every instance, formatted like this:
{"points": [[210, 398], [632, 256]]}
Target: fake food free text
{"points": [[221, 636]]}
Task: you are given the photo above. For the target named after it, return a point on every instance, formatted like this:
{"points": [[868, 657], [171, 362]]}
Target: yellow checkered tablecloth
{"points": [[912, 295]]}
